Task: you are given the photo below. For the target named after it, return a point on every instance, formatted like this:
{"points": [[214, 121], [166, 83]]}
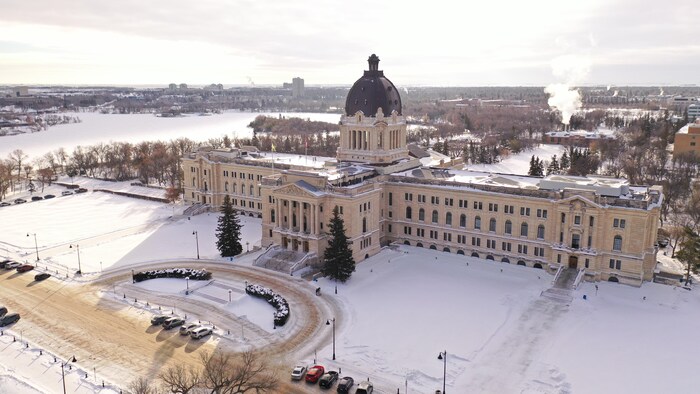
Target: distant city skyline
{"points": [[440, 43]]}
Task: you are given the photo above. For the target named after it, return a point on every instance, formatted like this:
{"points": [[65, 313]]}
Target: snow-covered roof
{"points": [[596, 134]]}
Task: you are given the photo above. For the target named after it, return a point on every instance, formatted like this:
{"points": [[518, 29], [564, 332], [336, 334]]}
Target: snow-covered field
{"points": [[520, 163], [500, 336], [96, 127]]}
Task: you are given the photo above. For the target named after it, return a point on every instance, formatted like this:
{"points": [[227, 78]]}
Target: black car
{"points": [[42, 276], [20, 201], [81, 190], [159, 319], [345, 384], [328, 379], [48, 196], [3, 311], [5, 204], [4, 263], [37, 198], [9, 319]]}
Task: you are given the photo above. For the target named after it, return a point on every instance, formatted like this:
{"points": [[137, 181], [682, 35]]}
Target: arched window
{"points": [[364, 225], [272, 215], [226, 186], [523, 230], [251, 190], [435, 216], [233, 188], [243, 189], [206, 187], [540, 231], [421, 214], [477, 223], [462, 220], [617, 243], [492, 224], [194, 182], [508, 227], [408, 212], [448, 219]]}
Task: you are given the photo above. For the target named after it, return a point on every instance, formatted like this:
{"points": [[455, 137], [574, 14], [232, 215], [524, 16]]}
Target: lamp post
{"points": [[63, 374], [77, 247], [328, 322], [229, 295], [187, 280], [196, 237], [36, 245], [133, 279], [443, 356], [247, 248]]}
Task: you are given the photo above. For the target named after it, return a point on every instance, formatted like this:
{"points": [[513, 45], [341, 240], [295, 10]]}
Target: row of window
{"points": [[477, 205], [475, 241], [234, 188]]}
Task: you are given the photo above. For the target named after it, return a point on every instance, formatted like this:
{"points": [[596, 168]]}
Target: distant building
{"points": [[172, 86], [693, 112], [183, 86], [297, 87], [577, 137], [687, 139], [20, 91]]}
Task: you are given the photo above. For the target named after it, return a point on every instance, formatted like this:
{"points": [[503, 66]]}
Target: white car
{"points": [[200, 332], [298, 372], [66, 193], [188, 328]]}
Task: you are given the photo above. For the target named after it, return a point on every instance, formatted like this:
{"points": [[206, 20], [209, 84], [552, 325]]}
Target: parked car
{"points": [[9, 319], [42, 276], [173, 322], [12, 265], [345, 384], [663, 242], [4, 263], [25, 268], [66, 193], [187, 328], [20, 201], [3, 312], [5, 204], [159, 319], [298, 372], [364, 387], [314, 373], [328, 379], [48, 196], [37, 198], [200, 332], [81, 190]]}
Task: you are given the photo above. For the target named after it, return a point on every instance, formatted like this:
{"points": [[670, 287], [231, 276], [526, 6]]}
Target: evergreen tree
{"points": [[445, 149], [689, 252], [553, 167], [536, 167], [564, 164], [338, 263], [228, 231]]}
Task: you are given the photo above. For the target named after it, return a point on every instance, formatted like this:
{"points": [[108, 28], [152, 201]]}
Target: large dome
{"points": [[373, 91]]}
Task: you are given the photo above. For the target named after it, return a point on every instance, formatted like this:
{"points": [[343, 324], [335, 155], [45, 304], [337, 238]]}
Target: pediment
{"points": [[295, 190], [578, 203]]}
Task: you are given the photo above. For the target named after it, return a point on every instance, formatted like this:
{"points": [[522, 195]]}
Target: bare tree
{"points": [[224, 374], [17, 157], [180, 379], [142, 386]]}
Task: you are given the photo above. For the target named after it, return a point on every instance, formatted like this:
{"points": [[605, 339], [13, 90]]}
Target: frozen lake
{"points": [[96, 127]]}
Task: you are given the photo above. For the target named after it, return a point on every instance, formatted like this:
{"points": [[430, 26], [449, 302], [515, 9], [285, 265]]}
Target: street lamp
{"points": [[77, 247], [196, 237], [63, 375], [187, 280], [443, 356], [36, 245], [247, 248], [229, 295], [328, 322]]}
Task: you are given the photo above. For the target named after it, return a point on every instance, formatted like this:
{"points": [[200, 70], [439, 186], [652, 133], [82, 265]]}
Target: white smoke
{"points": [[615, 94], [570, 70], [661, 91]]}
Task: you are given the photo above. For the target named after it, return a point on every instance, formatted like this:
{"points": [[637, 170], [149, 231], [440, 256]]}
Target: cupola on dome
{"points": [[373, 91]]}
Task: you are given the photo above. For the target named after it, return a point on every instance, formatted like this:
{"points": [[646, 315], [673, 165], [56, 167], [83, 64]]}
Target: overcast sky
{"points": [[436, 42]]}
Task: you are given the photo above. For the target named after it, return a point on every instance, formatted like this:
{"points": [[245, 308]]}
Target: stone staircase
{"points": [[562, 287], [279, 259], [196, 209]]}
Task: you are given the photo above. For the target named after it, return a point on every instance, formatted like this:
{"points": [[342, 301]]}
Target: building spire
{"points": [[373, 62]]}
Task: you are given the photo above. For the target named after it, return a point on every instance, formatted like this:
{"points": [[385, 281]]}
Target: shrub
{"points": [[276, 300], [193, 274]]}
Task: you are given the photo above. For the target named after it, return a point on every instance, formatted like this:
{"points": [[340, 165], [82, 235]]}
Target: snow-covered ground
{"points": [[95, 128], [406, 306], [520, 163]]}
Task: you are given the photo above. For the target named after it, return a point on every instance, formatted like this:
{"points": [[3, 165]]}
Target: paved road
{"points": [[87, 321]]}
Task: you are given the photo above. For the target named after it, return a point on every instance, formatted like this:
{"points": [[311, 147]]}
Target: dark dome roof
{"points": [[373, 91]]}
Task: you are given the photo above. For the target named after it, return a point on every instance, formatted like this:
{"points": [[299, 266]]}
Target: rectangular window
{"points": [[616, 222], [391, 198], [563, 218], [587, 262], [622, 223], [577, 220], [391, 214], [559, 258], [590, 241], [612, 264], [542, 213], [590, 221]]}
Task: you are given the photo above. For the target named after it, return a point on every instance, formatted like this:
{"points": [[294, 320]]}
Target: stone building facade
{"points": [[602, 226]]}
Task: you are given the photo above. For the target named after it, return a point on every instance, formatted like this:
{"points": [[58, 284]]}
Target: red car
{"points": [[315, 373], [25, 268]]}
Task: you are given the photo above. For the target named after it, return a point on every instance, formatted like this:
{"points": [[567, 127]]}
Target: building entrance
{"points": [[573, 262]]}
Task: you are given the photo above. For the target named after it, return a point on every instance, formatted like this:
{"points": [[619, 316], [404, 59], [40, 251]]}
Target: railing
{"points": [[579, 277], [556, 276], [304, 261]]}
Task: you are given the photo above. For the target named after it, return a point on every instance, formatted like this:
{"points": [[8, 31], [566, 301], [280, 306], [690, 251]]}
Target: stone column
{"points": [[289, 214]]}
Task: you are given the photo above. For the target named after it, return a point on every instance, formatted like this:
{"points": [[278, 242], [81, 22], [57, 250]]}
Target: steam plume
{"points": [[570, 69]]}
